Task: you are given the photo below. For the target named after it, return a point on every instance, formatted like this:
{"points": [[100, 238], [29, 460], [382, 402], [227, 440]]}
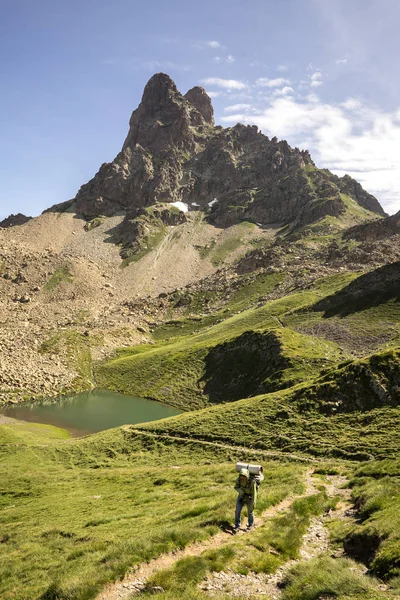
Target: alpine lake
{"points": [[90, 412]]}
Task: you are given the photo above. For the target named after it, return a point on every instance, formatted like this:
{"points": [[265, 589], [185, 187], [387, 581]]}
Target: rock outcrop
{"points": [[376, 230], [174, 153], [14, 220]]}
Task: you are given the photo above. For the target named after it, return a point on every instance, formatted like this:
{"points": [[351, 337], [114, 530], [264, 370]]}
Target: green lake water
{"points": [[91, 411]]}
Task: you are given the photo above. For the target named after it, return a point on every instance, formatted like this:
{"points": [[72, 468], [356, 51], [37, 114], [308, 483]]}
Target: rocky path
{"points": [[315, 542], [136, 579]]}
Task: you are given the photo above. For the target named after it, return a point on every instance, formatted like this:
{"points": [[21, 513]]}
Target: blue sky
{"points": [[323, 74]]}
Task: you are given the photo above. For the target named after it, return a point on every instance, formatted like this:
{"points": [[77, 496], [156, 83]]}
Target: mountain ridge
{"points": [[174, 153]]}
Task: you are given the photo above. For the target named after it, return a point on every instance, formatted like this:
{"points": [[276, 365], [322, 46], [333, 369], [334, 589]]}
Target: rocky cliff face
{"points": [[174, 153]]}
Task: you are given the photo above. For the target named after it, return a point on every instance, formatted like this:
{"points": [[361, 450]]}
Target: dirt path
{"points": [[315, 542], [136, 579]]}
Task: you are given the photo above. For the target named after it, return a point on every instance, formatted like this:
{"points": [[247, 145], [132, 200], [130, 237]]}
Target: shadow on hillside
{"points": [[368, 291], [238, 368]]}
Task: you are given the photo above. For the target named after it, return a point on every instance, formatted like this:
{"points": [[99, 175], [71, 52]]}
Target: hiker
{"points": [[246, 487]]}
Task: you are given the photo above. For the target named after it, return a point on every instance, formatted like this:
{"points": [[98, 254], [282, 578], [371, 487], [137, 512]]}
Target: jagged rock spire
{"points": [[173, 153], [200, 100]]}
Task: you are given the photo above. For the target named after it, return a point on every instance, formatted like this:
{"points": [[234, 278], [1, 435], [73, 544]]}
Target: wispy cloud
{"points": [[214, 94], [154, 65], [236, 107], [228, 84], [285, 91], [282, 68], [224, 59], [271, 83], [341, 61], [352, 104], [213, 44], [316, 79], [257, 63]]}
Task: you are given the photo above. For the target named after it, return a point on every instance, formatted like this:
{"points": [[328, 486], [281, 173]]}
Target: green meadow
{"points": [[76, 514]]}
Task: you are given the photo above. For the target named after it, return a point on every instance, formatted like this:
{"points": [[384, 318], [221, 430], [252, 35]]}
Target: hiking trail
{"points": [[315, 542], [136, 579]]}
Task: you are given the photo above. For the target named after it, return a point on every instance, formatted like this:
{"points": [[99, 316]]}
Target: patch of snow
{"points": [[213, 202], [181, 206], [259, 224], [195, 204]]}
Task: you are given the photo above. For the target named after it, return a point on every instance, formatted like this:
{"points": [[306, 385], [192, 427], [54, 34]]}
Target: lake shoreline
{"points": [[88, 412], [9, 420]]}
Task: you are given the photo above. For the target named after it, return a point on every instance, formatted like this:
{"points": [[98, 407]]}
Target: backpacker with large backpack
{"points": [[256, 472]]}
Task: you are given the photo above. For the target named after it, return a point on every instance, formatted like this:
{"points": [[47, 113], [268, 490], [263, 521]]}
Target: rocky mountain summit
{"points": [[175, 154]]}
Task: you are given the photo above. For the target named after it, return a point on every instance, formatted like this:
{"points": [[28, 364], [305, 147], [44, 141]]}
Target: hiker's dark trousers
{"points": [[240, 502]]}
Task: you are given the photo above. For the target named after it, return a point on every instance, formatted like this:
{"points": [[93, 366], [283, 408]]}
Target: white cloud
{"points": [[364, 143], [202, 45], [285, 91], [352, 104], [316, 75], [341, 61], [316, 79], [271, 83], [282, 68], [257, 63], [212, 44], [229, 84], [312, 97], [236, 107], [228, 59], [213, 94]]}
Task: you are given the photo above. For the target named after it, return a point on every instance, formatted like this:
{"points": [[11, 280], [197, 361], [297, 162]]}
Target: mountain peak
{"points": [[198, 97], [173, 153], [158, 92]]}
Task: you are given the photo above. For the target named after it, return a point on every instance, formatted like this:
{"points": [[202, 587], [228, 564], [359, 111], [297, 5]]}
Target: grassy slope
{"points": [[73, 513], [294, 340], [318, 419], [173, 371], [376, 540]]}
